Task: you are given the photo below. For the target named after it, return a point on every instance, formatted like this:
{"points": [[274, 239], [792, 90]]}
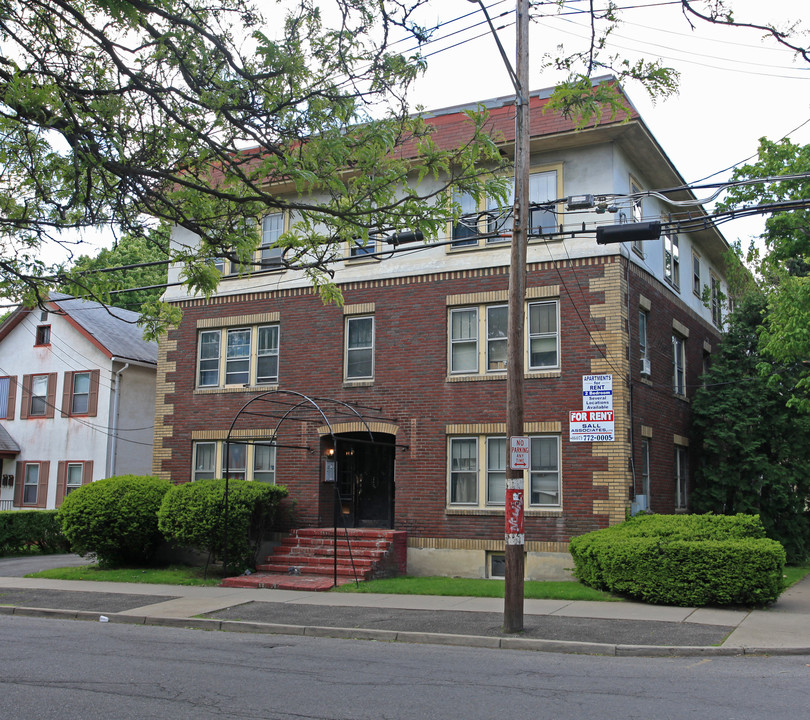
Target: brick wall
{"points": [[412, 393]]}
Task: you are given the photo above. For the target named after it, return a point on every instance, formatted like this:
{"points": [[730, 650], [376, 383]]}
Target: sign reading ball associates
{"points": [[591, 426], [594, 423]]}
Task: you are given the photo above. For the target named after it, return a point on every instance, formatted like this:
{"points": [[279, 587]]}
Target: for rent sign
{"points": [[591, 426]]}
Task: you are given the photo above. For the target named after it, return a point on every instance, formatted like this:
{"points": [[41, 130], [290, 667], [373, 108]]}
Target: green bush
{"points": [[689, 560], [22, 530], [115, 519], [193, 515]]}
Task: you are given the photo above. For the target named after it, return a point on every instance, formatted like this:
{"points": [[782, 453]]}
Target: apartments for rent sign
{"points": [[594, 423]]}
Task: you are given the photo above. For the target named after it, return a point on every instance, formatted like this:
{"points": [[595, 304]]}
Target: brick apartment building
{"points": [[417, 353]]}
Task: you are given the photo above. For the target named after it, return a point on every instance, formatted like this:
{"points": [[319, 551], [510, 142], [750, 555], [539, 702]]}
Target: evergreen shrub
{"points": [[22, 530], [115, 519], [688, 560], [193, 515]]}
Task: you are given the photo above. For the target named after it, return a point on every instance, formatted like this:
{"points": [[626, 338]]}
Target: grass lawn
{"points": [[471, 587], [174, 575], [464, 587]]}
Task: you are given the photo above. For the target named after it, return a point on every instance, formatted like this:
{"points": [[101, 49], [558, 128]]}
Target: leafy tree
{"points": [[752, 443], [783, 268], [145, 265], [204, 115]]}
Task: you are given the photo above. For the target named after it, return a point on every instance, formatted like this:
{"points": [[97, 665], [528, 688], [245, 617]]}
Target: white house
{"points": [[77, 399]]}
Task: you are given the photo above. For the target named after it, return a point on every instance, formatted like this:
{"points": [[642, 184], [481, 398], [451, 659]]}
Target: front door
{"points": [[365, 473]]}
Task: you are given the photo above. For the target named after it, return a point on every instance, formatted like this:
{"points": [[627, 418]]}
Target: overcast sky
{"points": [[735, 87]]}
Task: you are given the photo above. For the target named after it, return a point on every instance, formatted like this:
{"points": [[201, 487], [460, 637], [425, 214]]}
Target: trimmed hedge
{"points": [[193, 515], [115, 519], [22, 529], [689, 560]]}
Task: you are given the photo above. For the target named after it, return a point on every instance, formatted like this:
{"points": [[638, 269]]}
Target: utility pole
{"points": [[521, 212], [514, 526]]}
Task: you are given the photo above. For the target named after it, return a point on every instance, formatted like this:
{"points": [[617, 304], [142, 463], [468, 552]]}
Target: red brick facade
{"points": [[413, 396]]}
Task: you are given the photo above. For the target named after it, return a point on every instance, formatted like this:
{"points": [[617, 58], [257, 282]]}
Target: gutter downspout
{"points": [[114, 423]]}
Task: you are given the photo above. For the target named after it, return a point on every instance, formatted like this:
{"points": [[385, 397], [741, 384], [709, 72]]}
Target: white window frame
{"points": [[74, 394], [645, 469], [681, 468], [70, 469], [466, 229], [678, 364], [538, 181], [487, 465], [644, 341], [41, 398], [28, 484], [716, 302], [672, 259], [349, 350], [465, 341], [555, 334], [216, 366], [274, 225], [242, 459], [697, 288], [636, 214]]}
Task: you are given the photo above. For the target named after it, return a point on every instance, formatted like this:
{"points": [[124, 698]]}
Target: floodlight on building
{"points": [[628, 232]]}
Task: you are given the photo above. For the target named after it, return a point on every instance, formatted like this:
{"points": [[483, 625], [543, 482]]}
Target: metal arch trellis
{"points": [[318, 412]]}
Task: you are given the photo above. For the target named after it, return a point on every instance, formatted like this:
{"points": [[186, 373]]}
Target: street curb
{"points": [[413, 637]]}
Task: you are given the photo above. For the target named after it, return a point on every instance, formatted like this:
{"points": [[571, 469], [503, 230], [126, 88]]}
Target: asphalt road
{"points": [[70, 670], [22, 566]]}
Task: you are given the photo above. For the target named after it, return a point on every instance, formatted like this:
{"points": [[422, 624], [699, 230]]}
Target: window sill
{"points": [[645, 380], [679, 396], [534, 374], [496, 511], [235, 389], [358, 383], [476, 377], [360, 259]]}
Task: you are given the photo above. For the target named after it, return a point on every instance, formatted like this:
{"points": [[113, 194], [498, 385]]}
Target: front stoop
{"points": [[305, 560]]}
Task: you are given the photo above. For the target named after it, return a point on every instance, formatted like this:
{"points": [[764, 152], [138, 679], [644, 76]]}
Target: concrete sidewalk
{"points": [[609, 628]]}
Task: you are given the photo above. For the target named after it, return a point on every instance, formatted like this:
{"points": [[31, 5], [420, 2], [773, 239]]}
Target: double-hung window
{"points": [[269, 250], [242, 460], [678, 364], [465, 229], [464, 471], [643, 346], [39, 396], [636, 213], [31, 484], [477, 471], [497, 323], [80, 393], [681, 477], [70, 476], [238, 356], [544, 474], [467, 355], [716, 301], [31, 487], [696, 282], [544, 337], [672, 259], [359, 361], [464, 340], [209, 343], [478, 338]]}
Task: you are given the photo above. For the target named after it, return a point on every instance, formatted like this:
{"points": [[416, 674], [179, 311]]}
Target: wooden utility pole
{"points": [[514, 529]]}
